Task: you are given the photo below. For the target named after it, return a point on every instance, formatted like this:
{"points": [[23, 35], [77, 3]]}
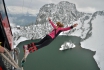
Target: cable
{"points": [[8, 12], [22, 6], [29, 5]]}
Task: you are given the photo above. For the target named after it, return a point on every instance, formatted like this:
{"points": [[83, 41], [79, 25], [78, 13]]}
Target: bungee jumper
{"points": [[57, 29]]}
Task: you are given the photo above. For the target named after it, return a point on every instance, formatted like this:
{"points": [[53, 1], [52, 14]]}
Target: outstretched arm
{"points": [[68, 28], [51, 23]]}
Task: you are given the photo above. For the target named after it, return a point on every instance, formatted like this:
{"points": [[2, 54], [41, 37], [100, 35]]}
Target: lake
{"points": [[51, 58]]}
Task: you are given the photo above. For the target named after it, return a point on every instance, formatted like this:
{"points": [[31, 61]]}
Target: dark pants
{"points": [[44, 42]]}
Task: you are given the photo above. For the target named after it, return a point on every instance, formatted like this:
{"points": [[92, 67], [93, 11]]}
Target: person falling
{"points": [[57, 29]]}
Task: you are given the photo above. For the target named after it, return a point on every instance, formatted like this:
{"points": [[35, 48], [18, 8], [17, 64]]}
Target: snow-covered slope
{"points": [[96, 41]]}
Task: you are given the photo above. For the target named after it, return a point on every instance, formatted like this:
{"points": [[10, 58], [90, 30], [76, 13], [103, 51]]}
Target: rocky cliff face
{"points": [[66, 13]]}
